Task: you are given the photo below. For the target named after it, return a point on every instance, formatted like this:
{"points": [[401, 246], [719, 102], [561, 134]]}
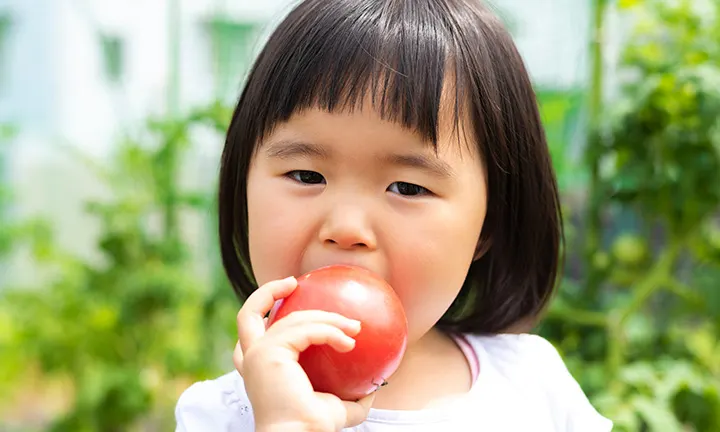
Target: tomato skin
{"points": [[357, 294]]}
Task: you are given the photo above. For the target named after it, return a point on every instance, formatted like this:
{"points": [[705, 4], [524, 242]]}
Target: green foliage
{"points": [[643, 340], [125, 326]]}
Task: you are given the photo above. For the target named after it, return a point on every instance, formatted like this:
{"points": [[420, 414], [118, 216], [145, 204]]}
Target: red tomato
{"points": [[357, 294]]}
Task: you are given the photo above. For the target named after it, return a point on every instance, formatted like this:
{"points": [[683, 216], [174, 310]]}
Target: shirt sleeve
{"points": [[215, 406], [573, 411], [535, 368]]}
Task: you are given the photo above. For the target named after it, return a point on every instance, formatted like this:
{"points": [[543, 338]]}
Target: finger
{"points": [[298, 338], [357, 412], [349, 326], [238, 358], [250, 321]]}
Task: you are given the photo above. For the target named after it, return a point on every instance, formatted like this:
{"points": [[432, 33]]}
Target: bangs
{"points": [[393, 55]]}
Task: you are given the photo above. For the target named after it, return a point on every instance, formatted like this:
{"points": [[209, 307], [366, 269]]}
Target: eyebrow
{"points": [[431, 165], [288, 149], [291, 149]]}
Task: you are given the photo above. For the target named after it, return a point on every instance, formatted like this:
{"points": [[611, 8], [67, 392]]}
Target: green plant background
{"points": [[637, 317]]}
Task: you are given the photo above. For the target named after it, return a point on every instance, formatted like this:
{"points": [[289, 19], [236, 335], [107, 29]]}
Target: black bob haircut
{"points": [[330, 54]]}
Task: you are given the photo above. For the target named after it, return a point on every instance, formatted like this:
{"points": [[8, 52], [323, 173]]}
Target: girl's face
{"points": [[350, 188]]}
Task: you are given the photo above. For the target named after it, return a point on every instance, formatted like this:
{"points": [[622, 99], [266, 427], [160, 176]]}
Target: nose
{"points": [[348, 227]]}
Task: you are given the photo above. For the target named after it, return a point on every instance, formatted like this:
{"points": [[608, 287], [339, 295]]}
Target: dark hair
{"points": [[329, 54]]}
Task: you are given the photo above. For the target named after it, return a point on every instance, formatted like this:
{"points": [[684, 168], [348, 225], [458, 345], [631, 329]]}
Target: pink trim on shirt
{"points": [[470, 354]]}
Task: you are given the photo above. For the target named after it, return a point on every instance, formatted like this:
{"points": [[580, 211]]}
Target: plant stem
{"points": [[656, 279], [659, 276], [578, 316], [169, 166], [684, 292], [593, 217], [596, 78], [173, 86], [171, 159]]}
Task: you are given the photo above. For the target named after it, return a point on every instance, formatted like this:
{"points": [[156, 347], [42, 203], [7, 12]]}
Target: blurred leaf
{"points": [[657, 416], [627, 4]]}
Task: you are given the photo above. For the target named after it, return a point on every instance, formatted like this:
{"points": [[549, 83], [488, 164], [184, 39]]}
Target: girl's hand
{"points": [[279, 390]]}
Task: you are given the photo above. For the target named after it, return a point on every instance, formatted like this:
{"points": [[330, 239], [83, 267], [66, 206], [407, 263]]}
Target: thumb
{"points": [[358, 411]]}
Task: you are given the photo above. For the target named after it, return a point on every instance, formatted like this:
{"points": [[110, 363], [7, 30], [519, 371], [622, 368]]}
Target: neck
{"points": [[432, 370]]}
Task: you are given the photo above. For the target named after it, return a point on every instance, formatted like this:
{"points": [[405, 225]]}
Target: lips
{"points": [[326, 263]]}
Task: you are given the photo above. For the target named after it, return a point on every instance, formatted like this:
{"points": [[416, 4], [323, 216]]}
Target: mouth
{"points": [[342, 264], [346, 264]]}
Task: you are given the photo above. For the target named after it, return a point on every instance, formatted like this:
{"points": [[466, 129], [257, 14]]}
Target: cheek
{"points": [[429, 278], [274, 227]]}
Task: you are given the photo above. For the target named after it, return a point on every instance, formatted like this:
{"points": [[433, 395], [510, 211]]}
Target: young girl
{"points": [[402, 136]]}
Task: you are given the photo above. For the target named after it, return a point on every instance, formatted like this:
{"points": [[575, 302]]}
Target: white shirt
{"points": [[522, 385]]}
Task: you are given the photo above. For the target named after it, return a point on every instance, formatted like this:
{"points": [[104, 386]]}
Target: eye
{"points": [[407, 189], [306, 177]]}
